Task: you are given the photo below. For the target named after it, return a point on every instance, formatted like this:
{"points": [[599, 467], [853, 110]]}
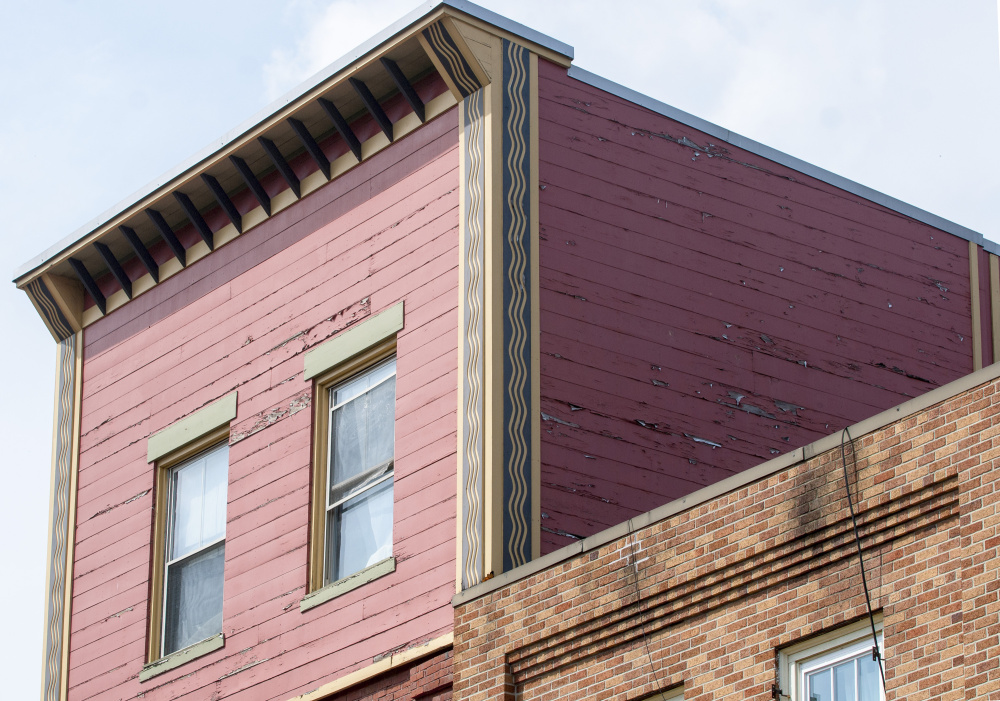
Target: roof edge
{"points": [[762, 471], [358, 52], [782, 158]]}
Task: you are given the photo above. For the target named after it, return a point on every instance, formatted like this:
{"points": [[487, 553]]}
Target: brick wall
{"points": [[426, 680], [708, 595]]}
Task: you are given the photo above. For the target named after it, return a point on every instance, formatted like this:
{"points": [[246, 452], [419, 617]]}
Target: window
{"points": [[359, 471], [834, 667], [350, 530], [191, 459], [195, 549]]}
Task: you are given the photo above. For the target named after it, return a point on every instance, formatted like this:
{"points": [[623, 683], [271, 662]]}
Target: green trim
{"points": [[347, 344], [342, 586], [191, 428], [176, 659]]}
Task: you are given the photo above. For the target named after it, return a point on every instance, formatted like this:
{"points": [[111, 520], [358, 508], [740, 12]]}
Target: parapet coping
{"points": [[772, 154], [730, 484]]}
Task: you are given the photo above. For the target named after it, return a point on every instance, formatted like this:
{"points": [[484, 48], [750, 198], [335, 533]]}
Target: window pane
{"points": [[869, 679], [381, 420], [820, 686], [347, 440], [186, 509], [359, 532], [216, 483], [194, 599], [843, 681]]}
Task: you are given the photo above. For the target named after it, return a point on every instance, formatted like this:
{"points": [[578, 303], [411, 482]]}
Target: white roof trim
{"points": [[784, 159], [264, 114]]}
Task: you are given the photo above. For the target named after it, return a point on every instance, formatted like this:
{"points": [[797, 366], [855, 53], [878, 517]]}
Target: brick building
{"points": [[751, 588], [453, 307]]}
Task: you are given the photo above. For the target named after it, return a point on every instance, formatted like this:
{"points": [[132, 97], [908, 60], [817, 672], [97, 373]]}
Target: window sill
{"points": [[176, 659], [342, 586]]}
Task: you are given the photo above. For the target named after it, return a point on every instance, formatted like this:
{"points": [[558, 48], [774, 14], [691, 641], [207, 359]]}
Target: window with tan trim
{"points": [[191, 463], [353, 470]]}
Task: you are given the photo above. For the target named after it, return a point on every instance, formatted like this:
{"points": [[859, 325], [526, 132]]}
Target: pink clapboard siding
{"points": [[701, 313], [241, 319]]}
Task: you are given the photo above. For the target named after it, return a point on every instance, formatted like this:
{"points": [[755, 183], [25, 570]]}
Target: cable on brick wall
{"points": [[638, 606], [876, 652]]}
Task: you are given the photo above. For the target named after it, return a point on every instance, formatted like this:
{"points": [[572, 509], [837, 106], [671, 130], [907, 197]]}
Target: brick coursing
{"points": [[708, 597], [426, 680]]}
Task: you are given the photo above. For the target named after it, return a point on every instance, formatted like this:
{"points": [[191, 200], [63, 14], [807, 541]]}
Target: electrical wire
{"points": [[638, 605], [876, 652]]}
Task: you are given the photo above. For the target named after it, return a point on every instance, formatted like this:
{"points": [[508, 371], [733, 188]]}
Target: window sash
{"points": [[358, 490], [214, 464], [828, 663]]}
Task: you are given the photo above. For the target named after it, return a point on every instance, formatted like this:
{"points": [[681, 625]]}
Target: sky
{"points": [[101, 97]]}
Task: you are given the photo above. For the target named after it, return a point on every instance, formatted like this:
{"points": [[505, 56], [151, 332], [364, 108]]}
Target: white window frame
{"points": [[826, 650], [384, 471], [168, 536]]}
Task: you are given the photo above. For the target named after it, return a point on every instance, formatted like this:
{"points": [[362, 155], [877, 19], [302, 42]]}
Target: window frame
{"points": [[845, 642], [324, 383], [212, 440]]}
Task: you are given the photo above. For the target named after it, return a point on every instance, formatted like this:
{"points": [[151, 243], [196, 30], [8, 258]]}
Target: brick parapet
{"points": [[708, 596]]}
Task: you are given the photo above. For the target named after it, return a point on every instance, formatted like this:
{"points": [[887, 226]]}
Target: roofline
{"points": [[895, 414], [264, 114], [782, 158]]}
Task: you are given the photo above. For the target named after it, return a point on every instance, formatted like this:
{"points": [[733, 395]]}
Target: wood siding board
{"points": [[269, 471], [608, 108], [617, 216], [715, 275], [437, 138]]}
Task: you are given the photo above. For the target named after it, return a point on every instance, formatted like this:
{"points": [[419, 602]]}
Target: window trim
{"points": [[793, 659], [196, 433], [318, 589]]}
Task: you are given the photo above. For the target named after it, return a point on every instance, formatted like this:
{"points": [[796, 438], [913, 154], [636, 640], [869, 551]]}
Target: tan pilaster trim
{"points": [[62, 518], [995, 304], [386, 664], [536, 425], [977, 327]]}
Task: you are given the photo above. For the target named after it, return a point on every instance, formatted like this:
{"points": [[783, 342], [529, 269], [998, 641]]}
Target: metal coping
{"points": [[755, 147], [730, 484], [575, 72], [366, 47]]}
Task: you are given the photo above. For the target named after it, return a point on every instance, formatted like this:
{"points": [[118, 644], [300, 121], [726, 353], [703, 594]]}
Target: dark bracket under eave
{"points": [[342, 127], [195, 216], [115, 267], [263, 199], [89, 284], [168, 235], [224, 201], [282, 165], [373, 107], [405, 87], [141, 252], [311, 146]]}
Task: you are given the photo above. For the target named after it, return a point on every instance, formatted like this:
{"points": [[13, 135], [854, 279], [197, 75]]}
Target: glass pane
{"points": [[381, 423], [347, 440], [843, 681], [869, 679], [216, 483], [186, 509], [194, 599], [819, 685], [197, 509], [359, 532]]}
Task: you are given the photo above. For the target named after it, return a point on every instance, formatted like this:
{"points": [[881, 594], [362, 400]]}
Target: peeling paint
{"points": [[546, 417], [703, 440], [272, 416], [105, 510], [788, 407]]}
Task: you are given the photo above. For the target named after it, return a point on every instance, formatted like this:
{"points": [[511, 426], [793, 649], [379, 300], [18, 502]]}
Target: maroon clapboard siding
{"points": [[242, 319], [703, 312]]}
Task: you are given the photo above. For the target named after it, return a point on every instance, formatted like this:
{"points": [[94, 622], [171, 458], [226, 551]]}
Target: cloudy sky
{"points": [[101, 97]]}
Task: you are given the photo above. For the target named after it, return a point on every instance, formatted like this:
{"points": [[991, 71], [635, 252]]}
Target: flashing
{"points": [[755, 147]]}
